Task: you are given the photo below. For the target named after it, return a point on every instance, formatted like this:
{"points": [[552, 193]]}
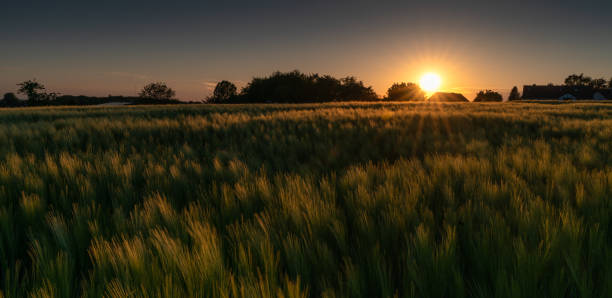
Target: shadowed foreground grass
{"points": [[334, 200]]}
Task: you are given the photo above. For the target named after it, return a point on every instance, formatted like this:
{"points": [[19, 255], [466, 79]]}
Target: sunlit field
{"points": [[333, 200]]}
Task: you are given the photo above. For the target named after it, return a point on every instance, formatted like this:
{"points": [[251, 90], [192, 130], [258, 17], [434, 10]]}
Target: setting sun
{"points": [[430, 82]]}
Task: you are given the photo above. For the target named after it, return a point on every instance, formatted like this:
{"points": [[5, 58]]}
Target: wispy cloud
{"points": [[210, 85]]}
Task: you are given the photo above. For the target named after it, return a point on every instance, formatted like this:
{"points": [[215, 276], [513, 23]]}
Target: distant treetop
{"points": [[32, 89], [157, 91], [9, 99], [488, 95], [514, 94], [405, 91], [296, 86], [581, 80], [224, 92]]}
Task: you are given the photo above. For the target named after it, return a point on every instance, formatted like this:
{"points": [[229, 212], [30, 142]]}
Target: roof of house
{"points": [[555, 92], [607, 93], [543, 92], [448, 97]]}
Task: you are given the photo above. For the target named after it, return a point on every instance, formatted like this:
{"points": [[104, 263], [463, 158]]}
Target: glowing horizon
{"points": [[190, 45]]}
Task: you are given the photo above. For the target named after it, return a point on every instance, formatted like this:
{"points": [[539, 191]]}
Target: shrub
{"points": [[488, 95], [10, 99], [405, 91], [224, 92], [514, 94], [157, 91]]}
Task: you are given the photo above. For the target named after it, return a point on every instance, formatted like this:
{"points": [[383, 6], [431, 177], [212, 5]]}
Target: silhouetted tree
{"points": [[514, 94], [488, 95], [599, 83], [405, 91], [352, 89], [326, 88], [295, 86], [282, 87], [48, 97], [10, 99], [157, 91], [224, 91], [32, 89], [610, 83], [578, 80]]}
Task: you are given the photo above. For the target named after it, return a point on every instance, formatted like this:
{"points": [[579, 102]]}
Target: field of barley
{"points": [[332, 200]]}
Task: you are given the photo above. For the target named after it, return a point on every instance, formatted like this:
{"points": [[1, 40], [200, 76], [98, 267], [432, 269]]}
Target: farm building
{"points": [[566, 92], [448, 97]]}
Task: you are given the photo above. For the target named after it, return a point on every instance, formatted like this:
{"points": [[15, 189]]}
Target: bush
{"points": [[157, 91], [514, 94], [298, 87], [405, 91], [488, 95], [10, 99], [224, 92]]}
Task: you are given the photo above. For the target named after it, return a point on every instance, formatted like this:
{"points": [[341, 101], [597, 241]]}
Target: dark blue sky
{"points": [[115, 47]]}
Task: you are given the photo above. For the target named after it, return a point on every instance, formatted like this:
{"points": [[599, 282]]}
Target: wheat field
{"points": [[313, 200]]}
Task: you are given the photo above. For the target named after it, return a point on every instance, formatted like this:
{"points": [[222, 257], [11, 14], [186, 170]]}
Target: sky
{"points": [[113, 47]]}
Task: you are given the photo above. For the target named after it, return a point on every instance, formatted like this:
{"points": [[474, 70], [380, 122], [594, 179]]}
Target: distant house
{"points": [[566, 92], [448, 97], [603, 95]]}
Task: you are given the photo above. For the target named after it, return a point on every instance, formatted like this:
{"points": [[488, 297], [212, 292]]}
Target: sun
{"points": [[430, 82]]}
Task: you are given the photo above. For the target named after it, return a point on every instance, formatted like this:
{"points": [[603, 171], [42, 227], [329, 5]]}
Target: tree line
{"points": [[279, 87], [585, 81], [35, 92], [294, 86], [299, 87]]}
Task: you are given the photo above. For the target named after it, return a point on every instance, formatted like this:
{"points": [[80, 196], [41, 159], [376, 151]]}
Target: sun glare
{"points": [[430, 82]]}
